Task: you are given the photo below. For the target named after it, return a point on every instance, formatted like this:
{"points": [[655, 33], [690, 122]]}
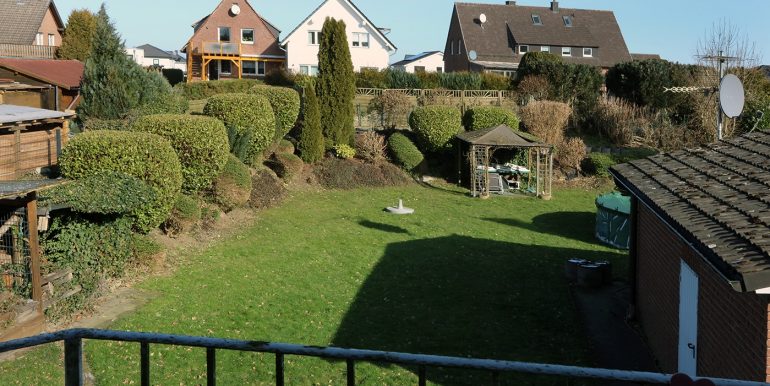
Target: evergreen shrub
{"points": [[285, 165], [245, 113], [311, 141], [404, 151], [232, 189], [148, 157], [109, 193], [598, 164], [484, 117], [184, 217], [207, 89], [435, 126], [200, 142], [286, 105]]}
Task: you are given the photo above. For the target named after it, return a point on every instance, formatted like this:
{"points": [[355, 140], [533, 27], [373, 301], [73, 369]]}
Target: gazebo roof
{"points": [[502, 135]]}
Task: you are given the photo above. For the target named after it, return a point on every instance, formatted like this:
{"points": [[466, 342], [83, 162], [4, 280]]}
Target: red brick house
{"points": [[700, 253], [233, 42], [30, 29]]}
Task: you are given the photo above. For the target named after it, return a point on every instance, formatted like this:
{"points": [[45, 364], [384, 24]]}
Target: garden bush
{"points": [[232, 189], [280, 77], [184, 217], [400, 79], [240, 143], [246, 113], [429, 80], [493, 81], [484, 117], [460, 80], [207, 89], [404, 152], [145, 156], [619, 120], [370, 146], [344, 151], [546, 120], [598, 164], [285, 165], [285, 146], [174, 76], [311, 140], [93, 124], [570, 153], [200, 142], [268, 189], [169, 103], [109, 193], [392, 107], [335, 173], [371, 78], [435, 126], [285, 103]]}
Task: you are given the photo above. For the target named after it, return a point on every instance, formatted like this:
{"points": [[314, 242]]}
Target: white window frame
{"points": [[545, 48], [536, 19], [357, 40], [588, 52], [51, 39], [566, 51], [313, 38], [261, 67], [452, 47], [308, 69], [156, 62], [567, 21], [249, 62], [253, 36], [221, 72], [39, 38], [229, 33], [523, 48]]}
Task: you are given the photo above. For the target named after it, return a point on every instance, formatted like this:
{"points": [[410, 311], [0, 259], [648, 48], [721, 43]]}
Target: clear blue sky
{"points": [[670, 28]]}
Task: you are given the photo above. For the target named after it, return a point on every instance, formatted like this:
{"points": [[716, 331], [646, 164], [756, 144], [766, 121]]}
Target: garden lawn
{"points": [[462, 277]]}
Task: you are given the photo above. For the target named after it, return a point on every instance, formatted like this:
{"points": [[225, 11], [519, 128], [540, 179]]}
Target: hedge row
{"points": [[204, 90], [396, 79], [435, 126], [246, 113], [232, 189], [285, 103], [484, 117]]}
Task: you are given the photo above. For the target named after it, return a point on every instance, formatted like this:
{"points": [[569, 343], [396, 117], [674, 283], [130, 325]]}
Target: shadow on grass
{"points": [[468, 297], [383, 227], [572, 225]]}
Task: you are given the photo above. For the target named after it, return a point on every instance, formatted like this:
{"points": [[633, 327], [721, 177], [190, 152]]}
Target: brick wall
{"points": [[732, 327]]}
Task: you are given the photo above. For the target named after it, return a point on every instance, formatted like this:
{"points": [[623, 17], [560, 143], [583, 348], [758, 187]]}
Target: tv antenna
{"points": [[730, 92]]}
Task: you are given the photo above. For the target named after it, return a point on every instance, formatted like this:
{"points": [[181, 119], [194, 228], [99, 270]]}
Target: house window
{"points": [[249, 68], [247, 36], [51, 40], [261, 68], [536, 20], [588, 52], [545, 48], [566, 51], [156, 62], [307, 69], [452, 47], [419, 68], [360, 39], [567, 21], [523, 49], [39, 39], [439, 69], [314, 38], [224, 34], [225, 67]]}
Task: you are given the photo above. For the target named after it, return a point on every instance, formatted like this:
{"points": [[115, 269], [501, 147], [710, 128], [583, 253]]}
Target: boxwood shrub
{"points": [[598, 164], [203, 90], [245, 112], [435, 126], [404, 152], [285, 103], [110, 193], [232, 189], [285, 165], [484, 117], [184, 217], [148, 157], [200, 142]]}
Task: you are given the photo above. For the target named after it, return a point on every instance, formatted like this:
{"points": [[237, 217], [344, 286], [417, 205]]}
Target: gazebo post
{"points": [[537, 175]]}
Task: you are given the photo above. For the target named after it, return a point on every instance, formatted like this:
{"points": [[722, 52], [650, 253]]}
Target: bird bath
{"points": [[400, 209]]}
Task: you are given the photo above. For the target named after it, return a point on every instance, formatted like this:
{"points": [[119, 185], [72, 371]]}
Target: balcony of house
{"points": [[27, 51], [218, 49]]}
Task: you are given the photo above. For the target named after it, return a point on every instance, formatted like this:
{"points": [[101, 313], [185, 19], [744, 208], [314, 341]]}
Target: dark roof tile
{"points": [[21, 20]]}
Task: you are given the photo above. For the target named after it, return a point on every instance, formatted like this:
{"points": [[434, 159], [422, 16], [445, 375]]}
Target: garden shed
{"points": [[700, 256], [30, 139], [484, 175]]}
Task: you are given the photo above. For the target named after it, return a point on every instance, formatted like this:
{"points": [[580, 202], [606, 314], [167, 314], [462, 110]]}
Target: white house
{"points": [[369, 47], [431, 61], [149, 55]]}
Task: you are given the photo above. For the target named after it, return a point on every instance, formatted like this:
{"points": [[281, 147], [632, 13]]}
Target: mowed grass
{"points": [[461, 277]]}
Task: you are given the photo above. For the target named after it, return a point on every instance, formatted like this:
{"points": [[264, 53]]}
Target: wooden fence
{"points": [[25, 150], [22, 51]]}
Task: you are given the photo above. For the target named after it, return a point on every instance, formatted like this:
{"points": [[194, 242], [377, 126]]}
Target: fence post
{"points": [[73, 362]]}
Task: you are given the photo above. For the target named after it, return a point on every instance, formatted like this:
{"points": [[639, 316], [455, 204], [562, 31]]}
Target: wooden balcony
{"points": [[218, 49], [27, 52]]}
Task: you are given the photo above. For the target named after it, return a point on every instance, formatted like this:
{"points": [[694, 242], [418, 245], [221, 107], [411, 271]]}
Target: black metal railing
{"points": [[73, 358]]}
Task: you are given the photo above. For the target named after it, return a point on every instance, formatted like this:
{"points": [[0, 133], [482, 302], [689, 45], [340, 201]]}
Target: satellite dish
{"points": [[732, 97], [235, 9], [472, 55], [483, 18]]}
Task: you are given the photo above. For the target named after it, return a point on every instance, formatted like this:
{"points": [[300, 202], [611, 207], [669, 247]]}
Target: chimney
{"points": [[555, 6], [511, 2]]}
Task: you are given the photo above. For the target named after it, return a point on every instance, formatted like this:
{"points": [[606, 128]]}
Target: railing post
{"points": [[422, 377], [211, 366], [144, 351], [279, 380], [351, 373], [73, 362]]}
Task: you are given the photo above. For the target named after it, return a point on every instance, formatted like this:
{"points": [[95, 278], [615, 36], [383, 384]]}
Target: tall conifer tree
{"points": [[336, 85], [78, 36], [311, 139]]}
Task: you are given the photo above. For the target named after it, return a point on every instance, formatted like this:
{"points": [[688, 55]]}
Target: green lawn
{"points": [[461, 277]]}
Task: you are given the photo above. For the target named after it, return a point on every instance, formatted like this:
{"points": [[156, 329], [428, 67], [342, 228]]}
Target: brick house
{"points": [[494, 37], [30, 29], [233, 42], [700, 256]]}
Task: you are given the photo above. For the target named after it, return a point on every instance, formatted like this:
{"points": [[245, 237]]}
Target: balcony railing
{"points": [[73, 358], [22, 51], [218, 48]]}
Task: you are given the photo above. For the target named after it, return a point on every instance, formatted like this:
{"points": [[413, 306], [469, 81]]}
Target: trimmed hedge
{"points": [[268, 189], [285, 103], [285, 146], [335, 173], [484, 117], [285, 165], [435, 126], [148, 157], [105, 124], [169, 103], [232, 189], [110, 193], [245, 112], [404, 152], [203, 90], [200, 142], [184, 217]]}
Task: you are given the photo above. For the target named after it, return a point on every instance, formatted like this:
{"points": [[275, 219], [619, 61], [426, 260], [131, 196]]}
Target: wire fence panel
{"points": [[14, 252]]}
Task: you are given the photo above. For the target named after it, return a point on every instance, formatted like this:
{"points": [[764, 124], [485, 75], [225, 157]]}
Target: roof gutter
{"points": [[737, 285]]}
